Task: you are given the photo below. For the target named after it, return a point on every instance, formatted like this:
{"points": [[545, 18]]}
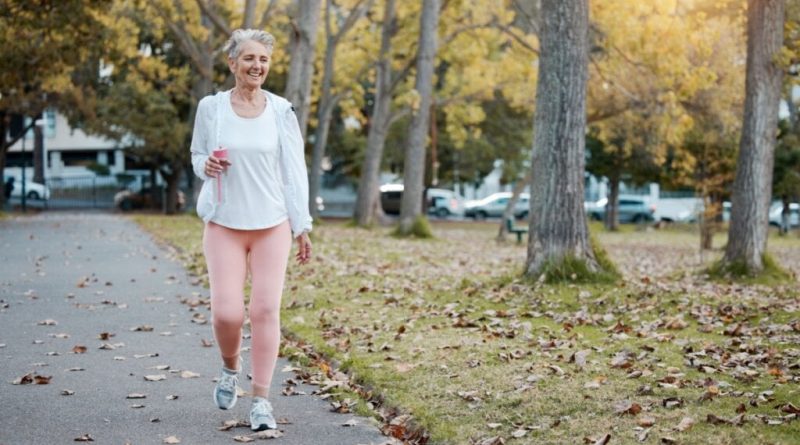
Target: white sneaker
{"points": [[261, 415], [225, 393]]}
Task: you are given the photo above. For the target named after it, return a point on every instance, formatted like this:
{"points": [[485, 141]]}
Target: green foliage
{"points": [[99, 169], [421, 228], [786, 176], [773, 273]]}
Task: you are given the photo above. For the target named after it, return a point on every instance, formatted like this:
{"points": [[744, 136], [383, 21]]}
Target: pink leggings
{"points": [[226, 252]]}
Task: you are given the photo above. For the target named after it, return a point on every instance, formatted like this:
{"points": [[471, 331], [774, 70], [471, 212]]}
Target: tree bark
{"points": [[558, 227], [414, 165], [611, 217], [172, 179], [368, 188], [302, 47], [752, 188], [38, 154]]}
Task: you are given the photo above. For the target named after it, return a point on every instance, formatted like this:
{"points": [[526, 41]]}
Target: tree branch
{"points": [[265, 17], [218, 22]]}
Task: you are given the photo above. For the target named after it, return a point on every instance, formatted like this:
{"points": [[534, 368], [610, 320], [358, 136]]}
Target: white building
{"points": [[67, 151]]}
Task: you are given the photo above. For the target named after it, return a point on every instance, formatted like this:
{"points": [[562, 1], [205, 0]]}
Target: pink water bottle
{"points": [[220, 153]]}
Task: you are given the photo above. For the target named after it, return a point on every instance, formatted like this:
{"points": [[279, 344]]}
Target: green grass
{"points": [[738, 271], [451, 333]]}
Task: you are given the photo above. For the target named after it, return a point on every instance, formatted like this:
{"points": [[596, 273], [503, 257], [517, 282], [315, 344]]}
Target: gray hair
{"points": [[234, 45]]}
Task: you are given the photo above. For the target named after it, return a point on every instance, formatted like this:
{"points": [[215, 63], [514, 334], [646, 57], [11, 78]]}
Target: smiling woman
{"points": [[248, 150]]}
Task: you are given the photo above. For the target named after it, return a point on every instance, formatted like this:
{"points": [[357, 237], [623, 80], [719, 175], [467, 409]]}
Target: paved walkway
{"points": [[65, 280]]}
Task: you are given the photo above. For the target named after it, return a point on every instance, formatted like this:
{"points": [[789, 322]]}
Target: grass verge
{"points": [[448, 333]]}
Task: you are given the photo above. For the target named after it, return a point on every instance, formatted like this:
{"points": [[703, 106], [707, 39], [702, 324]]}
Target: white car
{"points": [[776, 210], [495, 204], [33, 190]]}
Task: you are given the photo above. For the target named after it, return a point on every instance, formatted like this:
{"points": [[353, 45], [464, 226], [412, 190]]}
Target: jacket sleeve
{"points": [[201, 136], [295, 175]]}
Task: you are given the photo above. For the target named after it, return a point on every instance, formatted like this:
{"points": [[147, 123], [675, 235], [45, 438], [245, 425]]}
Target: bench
{"points": [[517, 230]]}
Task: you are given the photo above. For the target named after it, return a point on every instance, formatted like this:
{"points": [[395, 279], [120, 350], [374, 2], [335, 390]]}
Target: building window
{"points": [[50, 127], [78, 158]]}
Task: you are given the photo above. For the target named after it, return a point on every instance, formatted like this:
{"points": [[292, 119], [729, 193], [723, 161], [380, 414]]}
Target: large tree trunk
{"points": [[612, 204], [752, 188], [368, 188], [414, 165], [302, 48], [558, 227]]}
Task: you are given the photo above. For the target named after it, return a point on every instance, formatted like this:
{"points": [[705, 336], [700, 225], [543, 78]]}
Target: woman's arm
{"points": [[295, 174], [201, 137]]}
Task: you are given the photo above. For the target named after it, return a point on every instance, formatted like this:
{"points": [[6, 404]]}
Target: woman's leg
{"points": [[226, 257], [269, 255]]}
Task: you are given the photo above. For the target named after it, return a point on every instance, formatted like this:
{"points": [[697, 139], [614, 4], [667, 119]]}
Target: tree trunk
{"points": [[709, 221], [752, 188], [508, 212], [328, 100], [38, 154], [611, 219], [368, 188], [302, 48], [172, 178], [414, 166], [558, 227], [3, 148]]}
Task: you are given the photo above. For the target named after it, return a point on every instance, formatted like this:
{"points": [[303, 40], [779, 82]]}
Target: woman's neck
{"points": [[249, 95]]}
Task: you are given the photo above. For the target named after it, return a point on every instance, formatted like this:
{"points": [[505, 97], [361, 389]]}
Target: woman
{"points": [[253, 201]]}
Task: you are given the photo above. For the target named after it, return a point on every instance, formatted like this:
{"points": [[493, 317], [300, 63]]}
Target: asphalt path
{"points": [[70, 281]]}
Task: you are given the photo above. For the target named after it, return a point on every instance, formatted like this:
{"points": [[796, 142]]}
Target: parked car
{"points": [[494, 205], [776, 212], [441, 202], [632, 208], [33, 190]]}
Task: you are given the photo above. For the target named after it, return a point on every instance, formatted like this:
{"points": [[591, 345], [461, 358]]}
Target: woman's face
{"points": [[251, 67]]}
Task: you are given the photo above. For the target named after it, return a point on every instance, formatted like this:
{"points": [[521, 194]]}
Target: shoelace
{"points": [[228, 382], [261, 409]]}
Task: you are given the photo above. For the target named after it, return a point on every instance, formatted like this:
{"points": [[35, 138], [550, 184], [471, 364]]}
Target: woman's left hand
{"points": [[303, 248]]}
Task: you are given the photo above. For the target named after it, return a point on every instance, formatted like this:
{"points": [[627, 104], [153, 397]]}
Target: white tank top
{"points": [[252, 188]]}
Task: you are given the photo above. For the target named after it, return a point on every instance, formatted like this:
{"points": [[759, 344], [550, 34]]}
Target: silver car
{"points": [[494, 205]]}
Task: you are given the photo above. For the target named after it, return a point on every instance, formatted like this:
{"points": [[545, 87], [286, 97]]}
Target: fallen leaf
{"points": [[230, 424], [685, 424], [519, 433], [78, 349], [172, 397], [105, 335], [137, 406], [172, 440], [136, 395], [267, 434], [646, 421], [206, 343], [351, 422], [496, 440], [189, 375], [603, 440], [243, 439], [155, 378], [627, 407], [67, 392], [84, 438], [142, 328], [48, 322]]}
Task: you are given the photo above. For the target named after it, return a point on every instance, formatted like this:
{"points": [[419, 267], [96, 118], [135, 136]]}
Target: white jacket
{"points": [[205, 139]]}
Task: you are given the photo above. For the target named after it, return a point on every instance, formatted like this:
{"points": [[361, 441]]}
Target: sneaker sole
{"points": [[263, 427]]}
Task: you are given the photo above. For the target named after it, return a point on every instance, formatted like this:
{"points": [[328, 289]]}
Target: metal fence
{"points": [[81, 192]]}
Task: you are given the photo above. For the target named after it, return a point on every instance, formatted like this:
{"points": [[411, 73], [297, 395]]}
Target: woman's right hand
{"points": [[215, 166]]}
